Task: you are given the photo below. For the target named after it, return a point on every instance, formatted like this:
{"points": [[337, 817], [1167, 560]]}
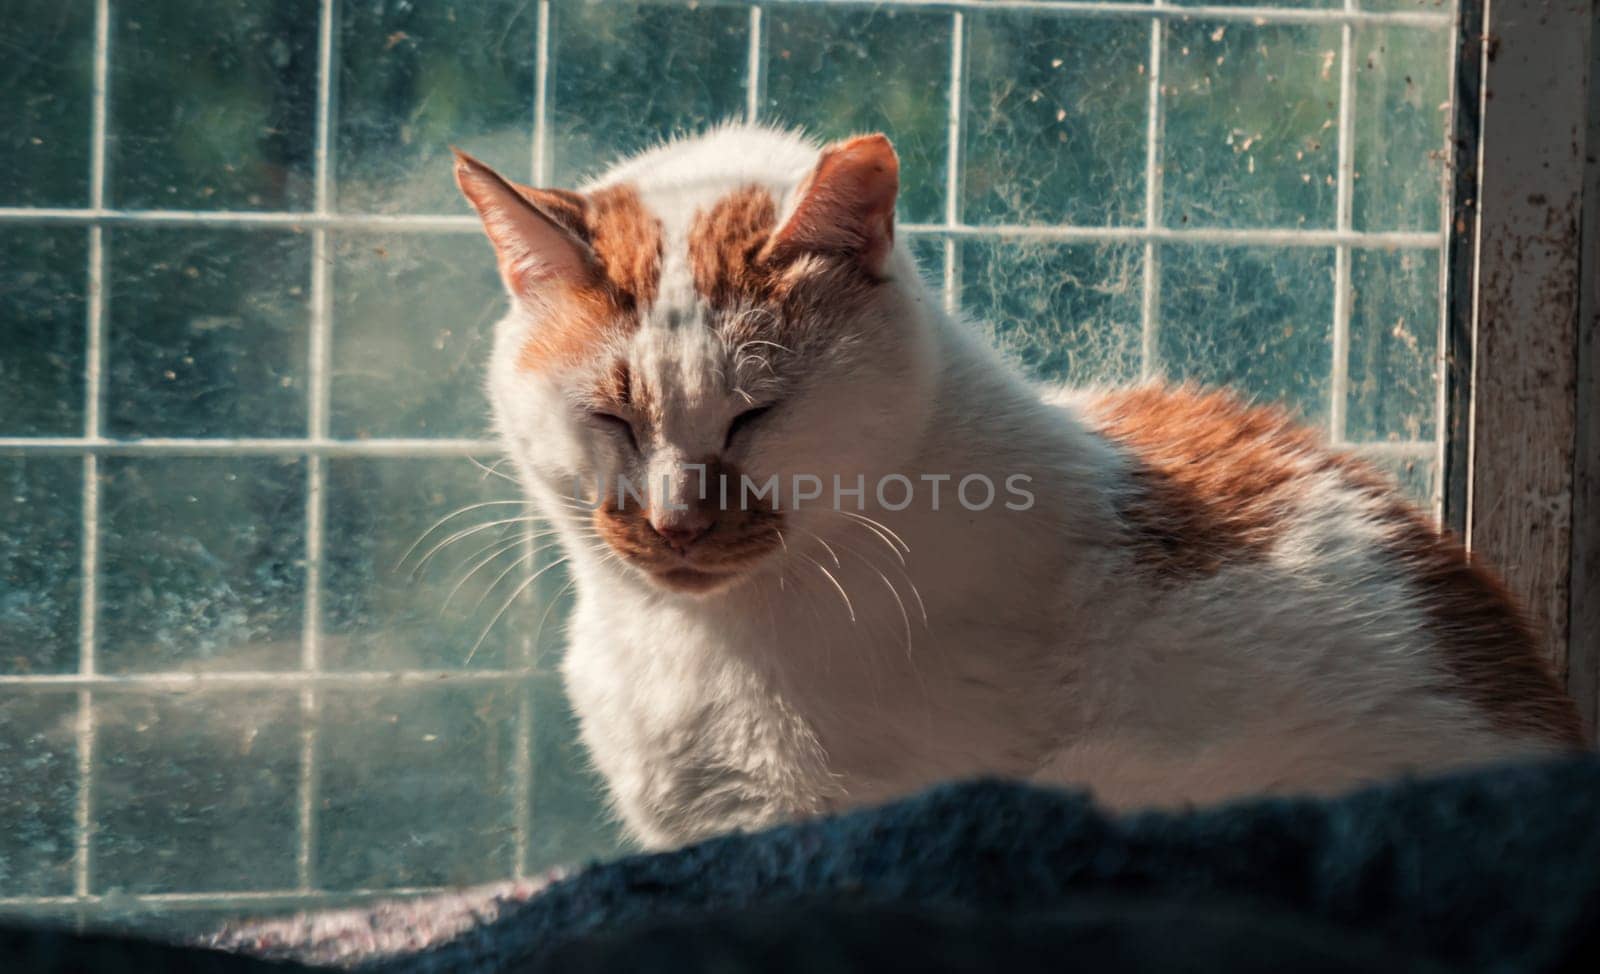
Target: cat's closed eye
{"points": [[616, 425], [742, 422]]}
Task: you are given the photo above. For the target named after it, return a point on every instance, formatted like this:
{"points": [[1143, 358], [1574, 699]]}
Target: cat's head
{"points": [[707, 316]]}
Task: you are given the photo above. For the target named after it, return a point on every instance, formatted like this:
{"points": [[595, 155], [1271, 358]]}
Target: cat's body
{"points": [[1198, 602]]}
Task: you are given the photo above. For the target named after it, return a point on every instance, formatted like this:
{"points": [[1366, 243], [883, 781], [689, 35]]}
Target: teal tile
{"points": [[212, 105], [1255, 319], [841, 72], [1324, 4], [413, 324], [38, 793], [382, 611], [207, 333], [1401, 121], [416, 787], [44, 131], [195, 792], [1394, 343], [202, 563], [1067, 312], [415, 78], [1251, 124], [1446, 8], [40, 552], [42, 330], [626, 75], [1055, 119]]}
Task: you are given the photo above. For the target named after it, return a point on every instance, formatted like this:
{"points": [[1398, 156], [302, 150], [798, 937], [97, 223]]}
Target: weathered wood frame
{"points": [[1522, 451]]}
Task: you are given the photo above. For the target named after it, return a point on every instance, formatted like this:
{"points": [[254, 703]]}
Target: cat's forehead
{"points": [[729, 267], [682, 285]]}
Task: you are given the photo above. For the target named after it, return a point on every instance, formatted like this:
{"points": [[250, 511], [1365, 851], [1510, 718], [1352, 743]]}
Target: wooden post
{"points": [[1515, 460]]}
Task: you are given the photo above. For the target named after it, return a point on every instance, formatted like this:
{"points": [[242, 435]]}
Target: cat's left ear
{"points": [[846, 207], [533, 231]]}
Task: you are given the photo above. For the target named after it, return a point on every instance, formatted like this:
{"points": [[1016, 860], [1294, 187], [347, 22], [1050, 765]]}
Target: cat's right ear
{"points": [[536, 247]]}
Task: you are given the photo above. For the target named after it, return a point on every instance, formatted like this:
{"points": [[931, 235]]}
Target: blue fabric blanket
{"points": [[1497, 870]]}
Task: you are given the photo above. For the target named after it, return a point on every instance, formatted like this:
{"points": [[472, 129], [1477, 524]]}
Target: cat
{"points": [[1169, 597]]}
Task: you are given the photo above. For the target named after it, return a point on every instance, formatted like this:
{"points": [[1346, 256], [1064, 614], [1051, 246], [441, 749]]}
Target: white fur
{"points": [[1307, 672]]}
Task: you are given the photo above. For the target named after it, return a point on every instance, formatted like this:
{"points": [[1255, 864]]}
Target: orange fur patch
{"points": [[725, 245], [1214, 481], [625, 239], [576, 323], [735, 270]]}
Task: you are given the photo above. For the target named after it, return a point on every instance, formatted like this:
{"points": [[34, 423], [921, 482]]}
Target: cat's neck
{"points": [[988, 421]]}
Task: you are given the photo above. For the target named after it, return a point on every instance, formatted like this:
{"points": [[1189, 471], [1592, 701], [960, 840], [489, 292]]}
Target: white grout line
{"points": [[1200, 236], [753, 79], [1150, 300], [318, 384], [1388, 449], [93, 392], [1138, 11], [423, 223], [99, 106], [356, 448], [1339, 375], [952, 160], [522, 783], [180, 682], [224, 446], [122, 903], [540, 170], [331, 448], [297, 220], [522, 743]]}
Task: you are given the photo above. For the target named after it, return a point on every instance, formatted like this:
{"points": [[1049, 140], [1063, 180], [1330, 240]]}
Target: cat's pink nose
{"points": [[680, 529]]}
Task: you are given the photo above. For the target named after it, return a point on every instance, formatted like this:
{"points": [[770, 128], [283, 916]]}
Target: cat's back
{"points": [[1247, 522]]}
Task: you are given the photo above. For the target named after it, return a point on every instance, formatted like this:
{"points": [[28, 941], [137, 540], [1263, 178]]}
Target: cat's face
{"points": [[676, 344]]}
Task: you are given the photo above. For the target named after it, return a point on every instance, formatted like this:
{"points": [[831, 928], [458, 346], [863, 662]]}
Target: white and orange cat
{"points": [[1197, 600]]}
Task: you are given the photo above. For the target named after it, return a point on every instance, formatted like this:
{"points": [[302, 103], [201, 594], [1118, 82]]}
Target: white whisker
{"points": [[493, 469], [526, 583], [551, 604], [466, 533], [435, 525], [849, 607], [526, 557], [879, 528], [900, 566], [828, 548], [501, 547], [905, 617]]}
